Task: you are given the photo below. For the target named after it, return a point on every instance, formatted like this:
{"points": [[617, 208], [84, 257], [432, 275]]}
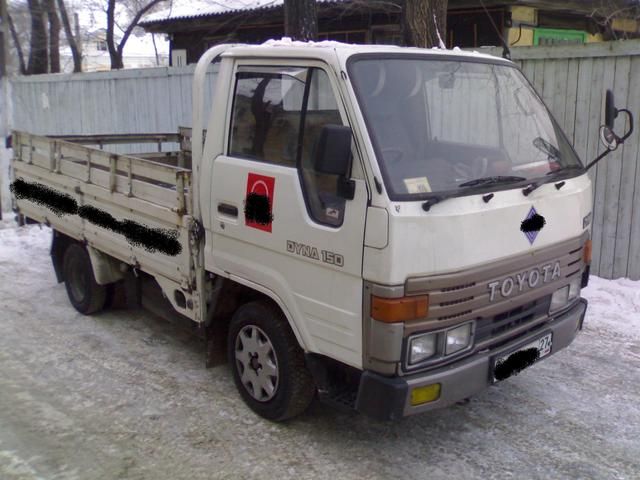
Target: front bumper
{"points": [[389, 398]]}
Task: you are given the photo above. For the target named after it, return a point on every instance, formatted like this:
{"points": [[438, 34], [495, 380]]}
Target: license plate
{"points": [[514, 362]]}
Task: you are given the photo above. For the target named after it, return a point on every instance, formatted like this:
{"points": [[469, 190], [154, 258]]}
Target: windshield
{"points": [[456, 126]]}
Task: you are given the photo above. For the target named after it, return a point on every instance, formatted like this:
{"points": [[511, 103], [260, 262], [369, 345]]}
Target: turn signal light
{"points": [[586, 253], [392, 310], [426, 394]]}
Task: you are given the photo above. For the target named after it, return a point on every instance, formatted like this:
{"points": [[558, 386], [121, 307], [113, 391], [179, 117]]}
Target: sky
{"points": [[92, 16]]}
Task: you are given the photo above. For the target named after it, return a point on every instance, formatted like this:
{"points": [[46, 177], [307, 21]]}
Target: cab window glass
{"points": [[278, 114], [266, 116], [323, 202]]}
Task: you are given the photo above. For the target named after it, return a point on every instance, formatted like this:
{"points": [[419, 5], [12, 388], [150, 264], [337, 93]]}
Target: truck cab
{"points": [[423, 215]]}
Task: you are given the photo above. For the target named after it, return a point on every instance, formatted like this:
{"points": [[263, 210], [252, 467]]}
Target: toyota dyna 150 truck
{"points": [[391, 229]]}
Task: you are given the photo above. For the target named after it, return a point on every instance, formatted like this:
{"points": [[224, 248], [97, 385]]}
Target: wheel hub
{"points": [[256, 363]]}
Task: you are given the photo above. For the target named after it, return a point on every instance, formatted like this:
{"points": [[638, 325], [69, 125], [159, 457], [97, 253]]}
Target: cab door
{"points": [[279, 224]]}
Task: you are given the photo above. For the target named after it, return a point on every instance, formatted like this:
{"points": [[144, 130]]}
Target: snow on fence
{"points": [[571, 79]]}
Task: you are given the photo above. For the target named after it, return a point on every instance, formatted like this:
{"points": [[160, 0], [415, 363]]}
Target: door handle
{"points": [[227, 209]]}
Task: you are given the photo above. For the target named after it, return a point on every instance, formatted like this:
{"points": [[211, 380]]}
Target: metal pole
{"points": [[3, 38], [3, 82]]}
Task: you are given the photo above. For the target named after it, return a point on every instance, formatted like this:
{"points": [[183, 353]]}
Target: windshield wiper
{"points": [[426, 206], [492, 180]]}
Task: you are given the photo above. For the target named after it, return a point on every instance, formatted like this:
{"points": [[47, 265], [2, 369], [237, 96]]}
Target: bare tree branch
{"points": [[610, 10], [134, 22], [116, 51], [16, 41], [71, 40]]}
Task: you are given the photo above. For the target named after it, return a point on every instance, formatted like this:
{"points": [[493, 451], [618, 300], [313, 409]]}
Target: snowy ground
{"points": [[125, 395]]}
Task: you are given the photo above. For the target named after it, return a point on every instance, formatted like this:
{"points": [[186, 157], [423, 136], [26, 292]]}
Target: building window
{"points": [[474, 28], [345, 36], [101, 45], [386, 35]]}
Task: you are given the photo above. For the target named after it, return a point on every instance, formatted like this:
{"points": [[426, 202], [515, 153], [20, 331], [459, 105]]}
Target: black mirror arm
{"points": [[630, 131], [620, 140], [598, 158]]}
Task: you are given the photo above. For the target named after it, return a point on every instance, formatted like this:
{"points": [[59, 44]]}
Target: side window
{"points": [[267, 109], [277, 117], [321, 191]]}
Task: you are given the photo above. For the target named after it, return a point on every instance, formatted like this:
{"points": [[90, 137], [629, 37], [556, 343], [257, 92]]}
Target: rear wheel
{"points": [[84, 293], [267, 363]]}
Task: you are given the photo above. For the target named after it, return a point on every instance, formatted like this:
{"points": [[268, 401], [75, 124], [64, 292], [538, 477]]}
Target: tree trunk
{"points": [[16, 41], [54, 35], [71, 40], [38, 62], [116, 57], [300, 19], [155, 49], [422, 21]]}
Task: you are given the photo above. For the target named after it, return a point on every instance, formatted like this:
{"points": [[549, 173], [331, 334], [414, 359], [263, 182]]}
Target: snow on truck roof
{"points": [[348, 49]]}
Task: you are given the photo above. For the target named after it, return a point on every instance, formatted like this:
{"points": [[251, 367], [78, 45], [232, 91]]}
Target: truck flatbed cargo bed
{"points": [[137, 208]]}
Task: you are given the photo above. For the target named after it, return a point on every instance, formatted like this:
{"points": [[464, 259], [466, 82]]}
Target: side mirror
{"points": [[610, 110], [332, 156], [608, 138]]}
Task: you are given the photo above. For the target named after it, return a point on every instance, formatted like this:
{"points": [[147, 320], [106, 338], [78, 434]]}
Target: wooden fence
{"points": [[571, 79]]}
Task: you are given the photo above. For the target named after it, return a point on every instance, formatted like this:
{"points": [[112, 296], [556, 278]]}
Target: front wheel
{"points": [[267, 363], [84, 293]]}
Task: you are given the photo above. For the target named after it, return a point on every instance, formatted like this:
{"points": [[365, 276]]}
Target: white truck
{"points": [[391, 229]]}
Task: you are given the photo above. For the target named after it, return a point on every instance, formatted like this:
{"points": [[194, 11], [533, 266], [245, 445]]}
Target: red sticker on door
{"points": [[259, 202]]}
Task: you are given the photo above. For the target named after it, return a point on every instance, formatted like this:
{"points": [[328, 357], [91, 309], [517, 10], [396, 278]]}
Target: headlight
{"points": [[559, 298], [422, 347], [458, 338], [574, 288]]}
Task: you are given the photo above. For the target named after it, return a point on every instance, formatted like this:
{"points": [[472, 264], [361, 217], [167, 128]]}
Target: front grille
{"points": [[468, 295], [458, 287], [504, 322], [454, 302], [461, 314]]}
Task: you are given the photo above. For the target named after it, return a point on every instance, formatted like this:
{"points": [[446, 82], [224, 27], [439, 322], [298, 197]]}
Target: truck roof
{"points": [[292, 48]]}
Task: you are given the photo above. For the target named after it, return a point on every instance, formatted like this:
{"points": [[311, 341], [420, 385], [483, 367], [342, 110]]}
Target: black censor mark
{"points": [[515, 363], [533, 224], [257, 209], [151, 239], [59, 203]]}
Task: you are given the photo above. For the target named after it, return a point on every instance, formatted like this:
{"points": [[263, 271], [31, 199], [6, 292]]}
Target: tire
{"points": [[267, 363], [84, 293]]}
